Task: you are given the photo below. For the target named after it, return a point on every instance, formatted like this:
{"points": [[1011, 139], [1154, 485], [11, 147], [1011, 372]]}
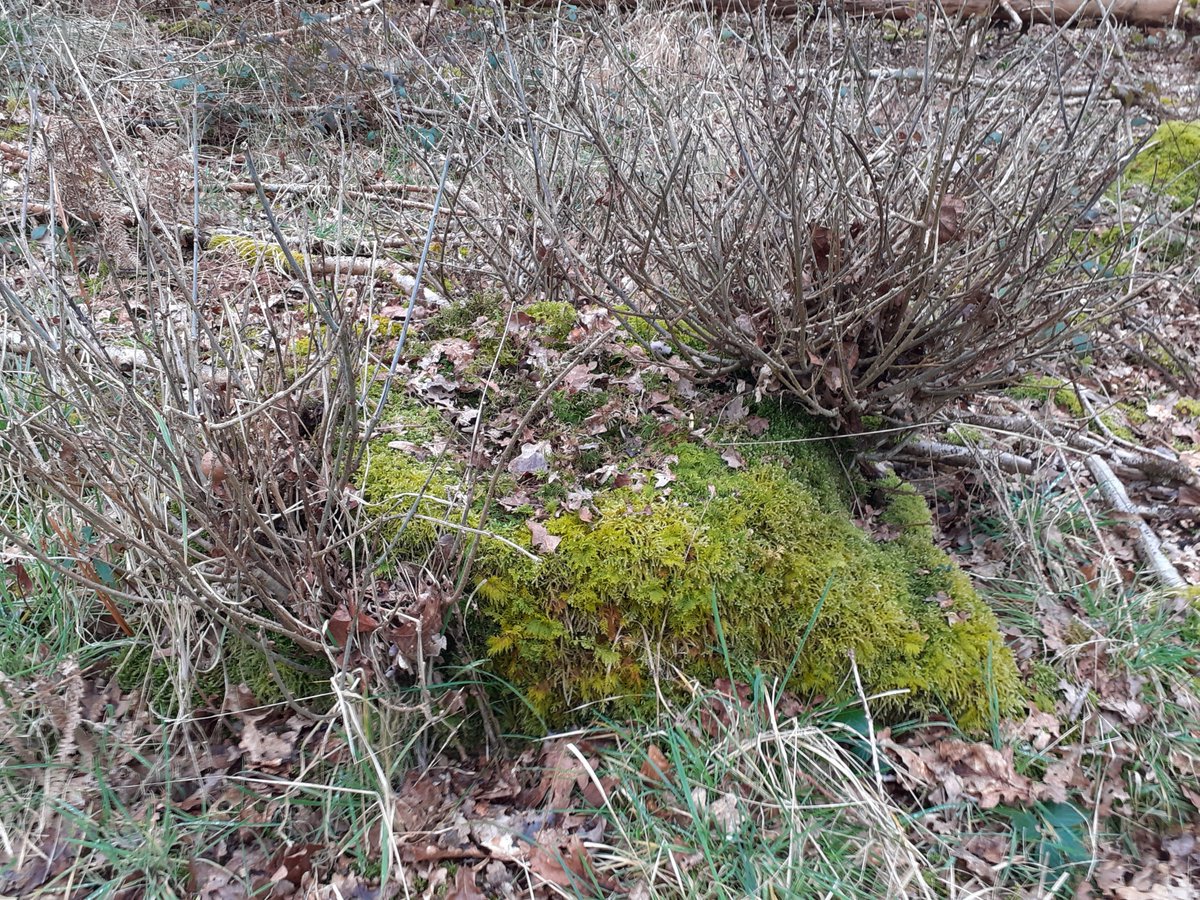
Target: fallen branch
{"points": [[386, 192], [1148, 545], [288, 187], [273, 36], [1154, 464], [954, 455]]}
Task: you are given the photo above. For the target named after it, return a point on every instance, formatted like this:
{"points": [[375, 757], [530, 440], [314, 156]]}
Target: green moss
{"points": [[400, 488], [1043, 683], [1100, 251], [645, 331], [572, 410], [1188, 406], [1170, 163], [421, 421], [963, 435], [807, 448], [646, 572], [873, 423], [1134, 415], [1036, 387], [459, 319], [1165, 359], [190, 28], [254, 252], [1117, 427], [557, 318]]}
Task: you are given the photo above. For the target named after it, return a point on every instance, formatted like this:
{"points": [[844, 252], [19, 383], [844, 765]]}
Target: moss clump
{"points": [[573, 409], [1101, 251], [1134, 415], [639, 583], [404, 495], [963, 435], [557, 318], [1043, 684], [1036, 387], [303, 675], [1170, 163], [254, 252], [459, 319], [649, 330], [420, 421], [1188, 406]]}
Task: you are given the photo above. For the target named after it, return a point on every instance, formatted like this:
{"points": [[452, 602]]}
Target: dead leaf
{"points": [[757, 425], [288, 866], [19, 574], [341, 623], [974, 770], [1143, 880], [464, 887], [656, 767], [212, 468], [211, 881], [419, 635], [560, 773], [580, 378], [531, 460], [1189, 495], [950, 218], [726, 814], [54, 854], [734, 411], [266, 749], [542, 539], [569, 868], [733, 459], [460, 352], [849, 354]]}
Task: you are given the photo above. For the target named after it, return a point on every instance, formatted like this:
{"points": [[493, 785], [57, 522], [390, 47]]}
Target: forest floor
{"points": [[377, 785]]}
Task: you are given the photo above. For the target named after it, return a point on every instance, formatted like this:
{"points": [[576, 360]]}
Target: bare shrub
{"points": [[187, 432], [792, 206]]}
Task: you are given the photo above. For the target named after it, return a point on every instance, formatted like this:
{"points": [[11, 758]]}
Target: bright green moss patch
{"points": [[459, 319], [1170, 163], [404, 494], [1036, 387], [629, 592], [963, 435], [1064, 397], [635, 588], [1135, 415], [557, 319]]}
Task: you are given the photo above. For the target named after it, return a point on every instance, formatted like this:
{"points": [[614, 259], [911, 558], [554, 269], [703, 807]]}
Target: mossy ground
{"points": [[556, 318], [709, 556], [1062, 394], [749, 569], [1170, 163]]}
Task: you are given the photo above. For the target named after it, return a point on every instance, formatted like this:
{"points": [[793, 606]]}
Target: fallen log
{"points": [[1180, 14], [1183, 15]]}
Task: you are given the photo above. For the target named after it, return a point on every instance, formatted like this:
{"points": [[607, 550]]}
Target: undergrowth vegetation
{"points": [[384, 390]]}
